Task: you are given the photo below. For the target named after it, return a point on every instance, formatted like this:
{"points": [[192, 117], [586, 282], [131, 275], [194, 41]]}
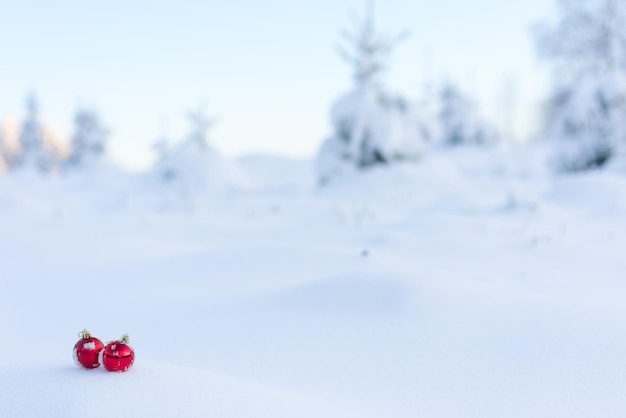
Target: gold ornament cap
{"points": [[84, 334]]}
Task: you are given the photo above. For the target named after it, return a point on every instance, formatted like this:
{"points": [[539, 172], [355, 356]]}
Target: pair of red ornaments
{"points": [[116, 356]]}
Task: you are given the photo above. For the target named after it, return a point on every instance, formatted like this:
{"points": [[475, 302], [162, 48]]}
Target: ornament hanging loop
{"points": [[84, 334]]}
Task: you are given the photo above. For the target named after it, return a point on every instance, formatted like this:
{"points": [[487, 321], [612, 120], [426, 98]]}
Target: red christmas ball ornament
{"points": [[87, 350], [118, 356]]}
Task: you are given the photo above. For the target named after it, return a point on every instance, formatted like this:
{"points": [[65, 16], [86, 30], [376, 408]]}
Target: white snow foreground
{"points": [[149, 390], [469, 285]]}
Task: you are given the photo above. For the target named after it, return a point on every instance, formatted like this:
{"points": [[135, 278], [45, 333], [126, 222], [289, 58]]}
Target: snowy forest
{"points": [[424, 262], [372, 125]]}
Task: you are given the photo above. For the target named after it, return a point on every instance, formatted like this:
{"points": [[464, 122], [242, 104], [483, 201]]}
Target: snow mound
{"points": [[276, 173], [199, 169]]}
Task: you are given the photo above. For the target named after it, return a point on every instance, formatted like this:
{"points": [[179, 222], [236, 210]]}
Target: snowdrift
{"points": [[463, 286]]}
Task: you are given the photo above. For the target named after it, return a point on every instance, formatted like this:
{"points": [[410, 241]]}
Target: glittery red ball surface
{"points": [[87, 352], [118, 356]]}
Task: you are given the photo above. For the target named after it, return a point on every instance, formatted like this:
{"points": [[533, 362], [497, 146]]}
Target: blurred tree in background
{"points": [[35, 151], [88, 143], [587, 112], [460, 122], [371, 125]]}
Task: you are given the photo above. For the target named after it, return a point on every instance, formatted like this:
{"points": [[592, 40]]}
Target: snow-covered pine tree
{"points": [[193, 165], [371, 126], [88, 143], [9, 147], [587, 112], [4, 154], [161, 146], [34, 152], [460, 122]]}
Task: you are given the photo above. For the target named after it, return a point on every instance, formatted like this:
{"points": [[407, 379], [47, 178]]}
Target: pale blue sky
{"points": [[268, 70]]}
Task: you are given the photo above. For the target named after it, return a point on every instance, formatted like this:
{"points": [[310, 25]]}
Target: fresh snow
{"points": [[471, 284]]}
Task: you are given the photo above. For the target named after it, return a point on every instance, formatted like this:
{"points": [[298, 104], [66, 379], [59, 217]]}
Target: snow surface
{"points": [[472, 284]]}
